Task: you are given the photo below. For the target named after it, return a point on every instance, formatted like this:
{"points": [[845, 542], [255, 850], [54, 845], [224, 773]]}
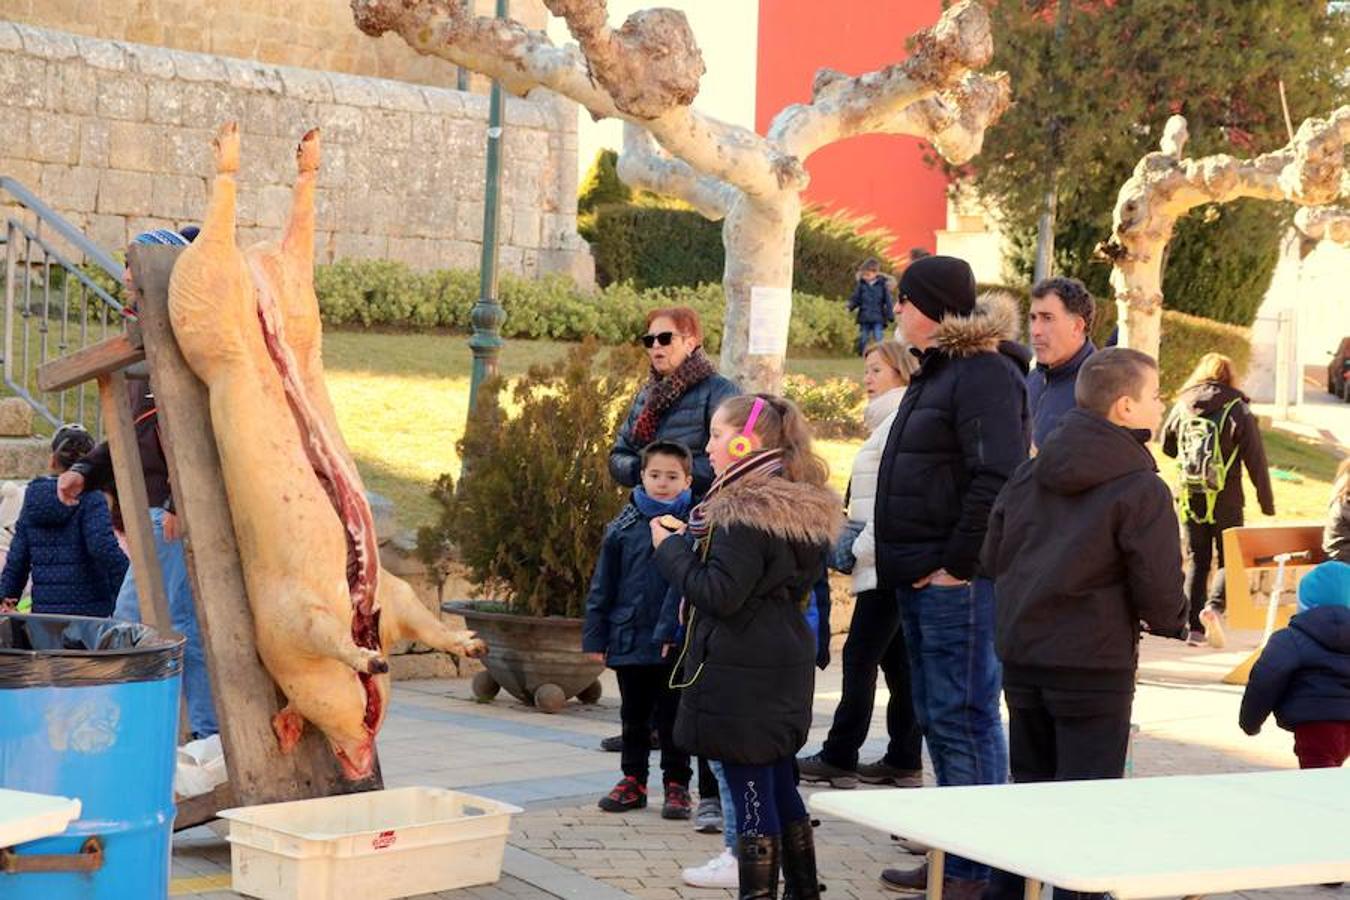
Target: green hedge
{"points": [[390, 294], [655, 246], [1220, 262]]}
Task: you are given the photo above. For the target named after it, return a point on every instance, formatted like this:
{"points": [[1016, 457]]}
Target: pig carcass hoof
{"points": [[378, 666]]}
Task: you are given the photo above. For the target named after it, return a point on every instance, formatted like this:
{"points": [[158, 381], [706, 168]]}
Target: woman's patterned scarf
{"points": [[764, 463], [663, 392]]}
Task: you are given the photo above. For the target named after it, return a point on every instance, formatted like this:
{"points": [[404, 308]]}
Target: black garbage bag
{"points": [[72, 651]]}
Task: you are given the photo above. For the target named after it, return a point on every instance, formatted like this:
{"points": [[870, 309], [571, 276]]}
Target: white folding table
{"points": [[1134, 838], [27, 817]]}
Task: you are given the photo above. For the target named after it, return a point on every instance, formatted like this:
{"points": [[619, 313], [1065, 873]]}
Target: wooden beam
{"points": [[132, 500], [193, 811], [106, 356], [245, 695]]}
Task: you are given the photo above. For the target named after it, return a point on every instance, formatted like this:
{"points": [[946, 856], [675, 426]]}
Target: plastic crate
{"points": [[376, 845]]}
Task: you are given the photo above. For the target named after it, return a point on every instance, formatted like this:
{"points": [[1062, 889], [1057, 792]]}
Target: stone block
{"points": [[110, 56], [152, 62], [469, 221], [398, 95], [46, 43], [188, 152], [74, 88], [136, 147], [443, 101], [25, 171], [273, 206], [462, 254], [525, 226], [138, 224], [95, 143], [360, 246], [247, 75], [523, 114], [14, 125], [420, 253], [178, 197], [122, 97], [199, 67], [54, 137], [70, 188], [210, 104], [164, 102], [108, 232], [125, 193], [388, 130], [24, 457], [306, 84], [16, 418], [352, 90], [9, 37], [340, 123]]}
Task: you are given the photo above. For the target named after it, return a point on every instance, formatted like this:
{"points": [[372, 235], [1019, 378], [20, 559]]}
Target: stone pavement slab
{"points": [[564, 846]]}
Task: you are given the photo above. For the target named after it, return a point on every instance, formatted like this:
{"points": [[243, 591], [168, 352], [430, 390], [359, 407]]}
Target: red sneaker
{"points": [[627, 794], [677, 805]]}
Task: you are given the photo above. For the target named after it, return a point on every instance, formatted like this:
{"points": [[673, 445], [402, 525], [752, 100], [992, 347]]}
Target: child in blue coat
{"points": [[71, 552], [623, 620], [1303, 674]]}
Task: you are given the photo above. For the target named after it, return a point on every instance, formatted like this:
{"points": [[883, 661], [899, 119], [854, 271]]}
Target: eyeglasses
{"points": [[663, 338]]}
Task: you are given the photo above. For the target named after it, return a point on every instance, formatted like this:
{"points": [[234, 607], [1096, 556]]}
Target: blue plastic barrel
{"points": [[89, 709]]}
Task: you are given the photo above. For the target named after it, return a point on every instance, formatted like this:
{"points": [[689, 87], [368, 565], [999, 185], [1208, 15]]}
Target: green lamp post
{"points": [[487, 315]]}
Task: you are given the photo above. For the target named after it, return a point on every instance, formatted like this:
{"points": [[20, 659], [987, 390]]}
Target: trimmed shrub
{"points": [[602, 184], [390, 294], [659, 246], [833, 406], [1222, 258]]}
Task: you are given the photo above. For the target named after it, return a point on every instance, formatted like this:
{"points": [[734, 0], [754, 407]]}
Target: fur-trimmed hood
{"points": [[994, 320], [796, 512]]}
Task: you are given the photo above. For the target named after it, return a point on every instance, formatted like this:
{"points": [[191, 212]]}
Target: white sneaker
{"points": [[1212, 619], [718, 872]]}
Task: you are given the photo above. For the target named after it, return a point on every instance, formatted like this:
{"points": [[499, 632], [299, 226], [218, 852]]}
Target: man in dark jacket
{"points": [[960, 432], [1061, 318], [871, 304], [1303, 675], [1083, 545]]}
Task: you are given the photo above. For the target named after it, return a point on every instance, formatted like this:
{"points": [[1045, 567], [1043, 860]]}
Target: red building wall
{"points": [[883, 176]]}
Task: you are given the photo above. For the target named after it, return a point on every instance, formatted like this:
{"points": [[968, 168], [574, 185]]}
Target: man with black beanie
{"points": [[961, 430]]}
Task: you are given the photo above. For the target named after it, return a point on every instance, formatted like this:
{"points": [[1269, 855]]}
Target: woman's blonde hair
{"points": [[1212, 367], [897, 356], [780, 426]]}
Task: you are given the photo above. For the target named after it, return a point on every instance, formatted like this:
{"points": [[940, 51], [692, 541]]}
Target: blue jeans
{"points": [[728, 806], [870, 334], [956, 678], [183, 618]]}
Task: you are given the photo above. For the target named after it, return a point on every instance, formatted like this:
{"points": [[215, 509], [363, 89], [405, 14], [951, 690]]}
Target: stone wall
{"points": [[116, 137], [313, 34]]}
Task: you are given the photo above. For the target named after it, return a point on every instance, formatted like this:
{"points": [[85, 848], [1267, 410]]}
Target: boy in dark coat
{"points": [[623, 614], [871, 305], [1303, 675], [1083, 545], [70, 551]]}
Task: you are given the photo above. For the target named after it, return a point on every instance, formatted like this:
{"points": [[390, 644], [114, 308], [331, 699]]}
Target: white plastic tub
{"points": [[376, 845]]}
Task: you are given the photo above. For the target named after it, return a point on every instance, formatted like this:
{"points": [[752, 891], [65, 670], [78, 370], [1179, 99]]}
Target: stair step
{"points": [[23, 458], [16, 417]]}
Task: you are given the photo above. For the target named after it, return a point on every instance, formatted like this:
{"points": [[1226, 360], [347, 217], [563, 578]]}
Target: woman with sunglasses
{"points": [[677, 402]]}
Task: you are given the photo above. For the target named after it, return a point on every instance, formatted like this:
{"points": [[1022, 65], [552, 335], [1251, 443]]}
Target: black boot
{"points": [[757, 859], [800, 881]]}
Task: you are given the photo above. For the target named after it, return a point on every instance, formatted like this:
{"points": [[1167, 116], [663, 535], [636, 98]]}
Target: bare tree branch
{"points": [[642, 165], [1324, 223], [1308, 171], [877, 102]]}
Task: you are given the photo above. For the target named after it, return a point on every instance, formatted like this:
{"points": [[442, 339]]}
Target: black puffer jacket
{"points": [[961, 430], [1303, 675], [1336, 534], [1083, 545], [1240, 432], [749, 655]]}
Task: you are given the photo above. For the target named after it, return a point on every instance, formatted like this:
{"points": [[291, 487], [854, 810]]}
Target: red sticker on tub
{"points": [[382, 840]]}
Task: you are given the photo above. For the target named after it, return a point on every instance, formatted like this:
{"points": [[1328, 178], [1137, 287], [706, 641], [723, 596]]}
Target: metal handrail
{"points": [[36, 315]]}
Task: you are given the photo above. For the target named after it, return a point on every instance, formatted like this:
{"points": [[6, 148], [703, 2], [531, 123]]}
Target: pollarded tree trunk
{"points": [[647, 73], [1308, 171], [759, 238]]}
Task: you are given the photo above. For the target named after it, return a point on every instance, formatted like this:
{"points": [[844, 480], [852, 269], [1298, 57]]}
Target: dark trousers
{"points": [[1204, 547], [875, 639], [1062, 734], [766, 797], [644, 694], [707, 781], [1322, 745]]}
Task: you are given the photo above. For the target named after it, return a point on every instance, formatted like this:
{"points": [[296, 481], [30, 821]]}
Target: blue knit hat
{"points": [[1326, 585], [161, 236]]}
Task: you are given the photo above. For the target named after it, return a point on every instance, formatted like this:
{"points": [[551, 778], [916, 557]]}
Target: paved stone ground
{"points": [[562, 846]]}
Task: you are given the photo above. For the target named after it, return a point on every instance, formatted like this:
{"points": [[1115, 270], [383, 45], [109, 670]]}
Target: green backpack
{"points": [[1201, 466]]}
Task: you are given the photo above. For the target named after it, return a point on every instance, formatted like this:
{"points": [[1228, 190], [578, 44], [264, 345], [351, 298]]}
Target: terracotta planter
{"points": [[537, 660]]}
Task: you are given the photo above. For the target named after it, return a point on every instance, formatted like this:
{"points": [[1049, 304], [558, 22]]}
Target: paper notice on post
{"points": [[770, 313]]}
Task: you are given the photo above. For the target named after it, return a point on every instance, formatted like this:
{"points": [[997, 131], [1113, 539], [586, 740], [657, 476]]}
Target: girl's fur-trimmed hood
{"points": [[994, 319], [796, 512]]}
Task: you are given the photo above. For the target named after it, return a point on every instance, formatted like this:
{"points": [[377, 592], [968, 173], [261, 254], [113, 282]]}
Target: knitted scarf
{"points": [[663, 392], [765, 463]]}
